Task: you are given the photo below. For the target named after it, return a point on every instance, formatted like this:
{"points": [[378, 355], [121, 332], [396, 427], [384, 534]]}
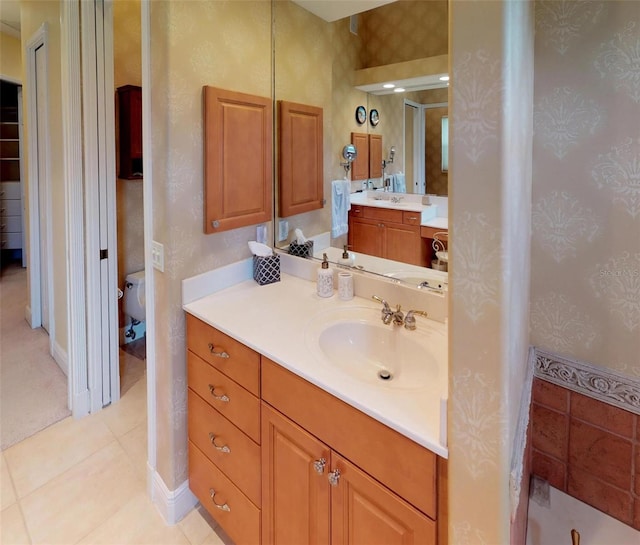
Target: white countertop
{"points": [[408, 202], [272, 320]]}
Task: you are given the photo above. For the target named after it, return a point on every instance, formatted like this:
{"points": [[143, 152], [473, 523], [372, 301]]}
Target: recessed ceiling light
{"points": [[399, 90], [444, 78], [389, 85]]}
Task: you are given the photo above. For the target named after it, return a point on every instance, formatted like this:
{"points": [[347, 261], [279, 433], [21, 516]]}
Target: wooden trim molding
{"points": [[596, 382]]}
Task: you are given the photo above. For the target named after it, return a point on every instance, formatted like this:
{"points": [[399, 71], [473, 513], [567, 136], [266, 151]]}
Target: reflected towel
{"points": [[340, 206], [399, 185]]}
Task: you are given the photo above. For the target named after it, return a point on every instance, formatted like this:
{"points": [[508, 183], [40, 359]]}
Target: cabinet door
{"points": [[296, 497], [363, 512], [238, 178], [403, 243], [365, 236], [301, 158], [360, 167], [375, 155]]}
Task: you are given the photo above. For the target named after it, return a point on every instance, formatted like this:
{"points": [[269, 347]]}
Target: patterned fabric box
{"points": [[301, 250], [266, 270]]}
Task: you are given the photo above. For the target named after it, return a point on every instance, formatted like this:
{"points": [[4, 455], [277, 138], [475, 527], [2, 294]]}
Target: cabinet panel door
{"points": [[365, 236], [238, 181], [363, 512], [360, 167], [375, 155], [403, 243], [295, 501], [301, 158]]}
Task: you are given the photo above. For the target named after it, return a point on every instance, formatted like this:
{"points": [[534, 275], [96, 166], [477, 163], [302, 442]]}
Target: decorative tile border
{"points": [[588, 380]]}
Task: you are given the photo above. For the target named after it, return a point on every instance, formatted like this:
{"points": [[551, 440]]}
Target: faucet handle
{"points": [[410, 318], [384, 303]]}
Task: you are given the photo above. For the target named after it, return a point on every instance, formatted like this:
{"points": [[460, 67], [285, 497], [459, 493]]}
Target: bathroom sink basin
{"points": [[355, 342]]}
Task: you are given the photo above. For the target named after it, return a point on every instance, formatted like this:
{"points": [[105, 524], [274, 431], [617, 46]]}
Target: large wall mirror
{"points": [[339, 64]]}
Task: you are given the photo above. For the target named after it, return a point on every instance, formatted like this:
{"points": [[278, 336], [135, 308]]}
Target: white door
{"points": [[41, 160], [100, 180]]}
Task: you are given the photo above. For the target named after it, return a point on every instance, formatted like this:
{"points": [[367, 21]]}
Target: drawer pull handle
{"points": [[334, 477], [318, 465], [222, 354], [223, 507], [412, 218], [224, 398], [224, 448]]}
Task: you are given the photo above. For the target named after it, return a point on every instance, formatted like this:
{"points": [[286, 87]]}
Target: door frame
{"points": [[33, 312]]}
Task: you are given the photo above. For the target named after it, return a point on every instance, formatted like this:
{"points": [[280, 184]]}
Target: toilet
{"points": [[134, 300]]}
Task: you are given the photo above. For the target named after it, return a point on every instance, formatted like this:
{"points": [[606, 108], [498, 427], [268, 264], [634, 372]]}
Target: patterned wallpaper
{"points": [[11, 58], [127, 67], [193, 43], [585, 287], [490, 118]]}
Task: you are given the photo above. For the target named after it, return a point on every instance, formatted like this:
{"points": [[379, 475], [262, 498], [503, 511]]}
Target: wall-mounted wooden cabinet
{"points": [[300, 158], [238, 178], [130, 132], [368, 163]]}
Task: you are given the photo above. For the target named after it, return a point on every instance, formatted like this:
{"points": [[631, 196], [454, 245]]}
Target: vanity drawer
{"points": [[397, 462], [240, 461], [429, 232], [242, 365], [237, 405], [383, 214], [242, 519], [411, 218]]}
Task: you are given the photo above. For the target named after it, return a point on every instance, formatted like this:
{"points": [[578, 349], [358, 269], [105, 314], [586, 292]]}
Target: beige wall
{"points": [[127, 63], [585, 285], [489, 210], [33, 14], [194, 43], [11, 57]]}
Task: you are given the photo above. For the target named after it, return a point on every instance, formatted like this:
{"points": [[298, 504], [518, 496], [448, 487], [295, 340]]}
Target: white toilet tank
{"points": [[134, 301]]}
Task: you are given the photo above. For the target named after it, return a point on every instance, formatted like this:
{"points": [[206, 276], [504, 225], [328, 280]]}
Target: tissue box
{"points": [[301, 250], [266, 270]]}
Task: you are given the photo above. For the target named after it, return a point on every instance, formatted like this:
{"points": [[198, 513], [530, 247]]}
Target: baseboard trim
{"points": [[596, 382], [60, 357], [173, 505]]}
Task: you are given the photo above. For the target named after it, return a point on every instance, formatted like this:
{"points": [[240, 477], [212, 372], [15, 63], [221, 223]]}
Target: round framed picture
{"points": [[361, 115], [374, 117]]}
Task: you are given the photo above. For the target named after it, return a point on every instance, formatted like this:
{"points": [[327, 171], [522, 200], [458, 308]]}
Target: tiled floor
{"points": [[84, 481]]}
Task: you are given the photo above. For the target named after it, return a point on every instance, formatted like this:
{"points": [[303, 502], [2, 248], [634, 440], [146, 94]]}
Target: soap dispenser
{"points": [[347, 258], [325, 278]]}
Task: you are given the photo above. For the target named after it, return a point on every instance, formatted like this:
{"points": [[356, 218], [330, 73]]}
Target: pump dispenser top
{"points": [[347, 258]]}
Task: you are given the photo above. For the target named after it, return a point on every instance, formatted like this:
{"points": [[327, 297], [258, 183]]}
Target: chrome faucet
{"points": [[396, 316]]}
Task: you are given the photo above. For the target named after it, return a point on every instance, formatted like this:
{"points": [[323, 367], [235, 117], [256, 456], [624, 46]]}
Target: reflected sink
{"points": [[354, 341], [418, 277]]}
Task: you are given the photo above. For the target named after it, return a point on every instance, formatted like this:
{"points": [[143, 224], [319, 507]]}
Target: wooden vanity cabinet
{"points": [[223, 378], [386, 489], [389, 233], [271, 484]]}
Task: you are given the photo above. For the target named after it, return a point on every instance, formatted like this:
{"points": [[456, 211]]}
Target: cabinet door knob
{"points": [[223, 507], [334, 477], [318, 465], [223, 448], [212, 350], [224, 398], [215, 224]]}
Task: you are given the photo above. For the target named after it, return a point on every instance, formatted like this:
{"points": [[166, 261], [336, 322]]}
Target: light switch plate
{"points": [[157, 255]]}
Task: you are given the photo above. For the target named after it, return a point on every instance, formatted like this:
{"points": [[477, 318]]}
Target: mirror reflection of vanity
{"points": [[340, 66]]}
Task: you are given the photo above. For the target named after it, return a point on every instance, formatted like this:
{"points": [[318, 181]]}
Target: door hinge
{"points": [[104, 254]]}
